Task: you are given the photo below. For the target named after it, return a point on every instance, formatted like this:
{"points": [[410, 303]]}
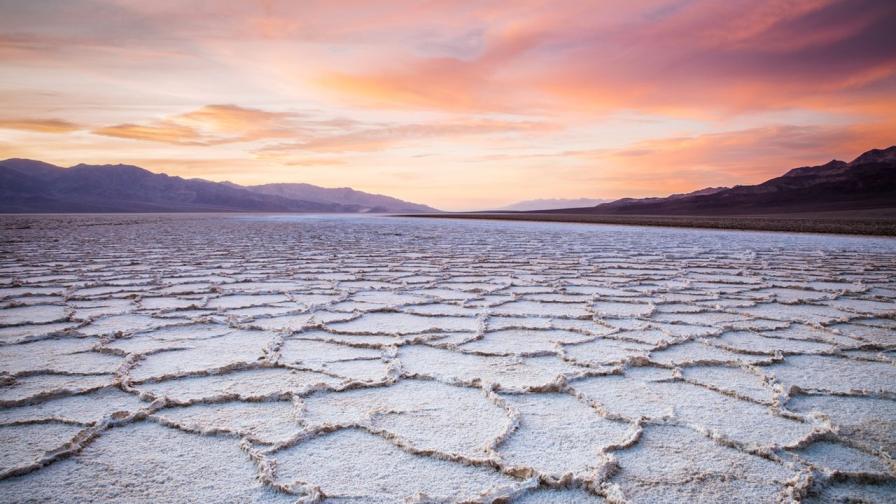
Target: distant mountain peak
{"points": [[365, 202], [34, 186], [867, 182], [876, 156], [831, 167], [700, 192], [550, 204]]}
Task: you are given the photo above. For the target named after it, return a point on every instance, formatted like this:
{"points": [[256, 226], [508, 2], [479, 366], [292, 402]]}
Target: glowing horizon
{"points": [[452, 104]]}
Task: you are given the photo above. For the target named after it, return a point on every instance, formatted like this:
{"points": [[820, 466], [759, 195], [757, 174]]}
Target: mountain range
{"points": [[550, 203], [34, 186], [867, 182]]}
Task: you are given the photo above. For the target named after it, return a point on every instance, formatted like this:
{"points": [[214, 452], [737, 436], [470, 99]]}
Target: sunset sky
{"points": [[460, 105]]}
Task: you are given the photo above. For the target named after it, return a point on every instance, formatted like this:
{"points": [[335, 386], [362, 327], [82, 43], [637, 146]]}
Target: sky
{"points": [[459, 105]]}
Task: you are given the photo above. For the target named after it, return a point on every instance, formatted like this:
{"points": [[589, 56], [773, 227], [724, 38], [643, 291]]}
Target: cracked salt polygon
{"points": [[367, 340], [804, 313], [675, 464], [181, 279], [245, 301], [178, 336], [262, 422], [251, 384], [365, 284], [403, 323], [501, 322], [851, 492], [260, 311], [558, 496], [845, 460], [543, 309], [283, 323], [126, 324], [32, 300], [522, 341], [194, 314], [253, 287], [751, 424], [356, 370], [736, 380], [876, 322], [89, 292], [477, 287], [866, 420], [83, 408], [693, 353], [30, 332], [442, 310], [559, 435], [559, 298], [167, 303], [606, 351], [704, 318], [351, 363], [219, 353], [789, 295], [864, 306], [678, 308], [64, 355], [508, 373], [146, 462], [444, 294], [88, 310], [427, 414], [387, 298], [27, 444], [813, 373], [35, 314], [647, 336], [753, 343], [875, 335], [808, 333], [625, 397], [352, 464], [33, 387], [8, 292], [678, 330], [189, 288], [611, 309], [315, 353]]}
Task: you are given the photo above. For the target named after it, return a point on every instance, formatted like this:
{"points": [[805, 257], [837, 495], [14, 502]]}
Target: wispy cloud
{"points": [[40, 125], [211, 125]]}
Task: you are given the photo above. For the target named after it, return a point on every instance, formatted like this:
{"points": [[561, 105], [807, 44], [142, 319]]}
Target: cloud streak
{"points": [[40, 125]]}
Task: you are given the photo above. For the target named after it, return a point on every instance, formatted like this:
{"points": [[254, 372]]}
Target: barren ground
{"points": [[198, 358]]}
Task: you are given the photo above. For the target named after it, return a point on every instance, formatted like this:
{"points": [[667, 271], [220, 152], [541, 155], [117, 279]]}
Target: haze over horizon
{"points": [[453, 105]]}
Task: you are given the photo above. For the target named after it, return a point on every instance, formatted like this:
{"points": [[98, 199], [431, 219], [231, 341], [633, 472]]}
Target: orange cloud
{"points": [[162, 131], [40, 125], [211, 125]]}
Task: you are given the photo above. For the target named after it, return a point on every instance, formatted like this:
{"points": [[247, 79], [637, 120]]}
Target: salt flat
{"points": [[201, 358]]}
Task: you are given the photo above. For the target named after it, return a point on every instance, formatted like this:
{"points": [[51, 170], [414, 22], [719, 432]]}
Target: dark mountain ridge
{"points": [[339, 195], [868, 182], [34, 186]]}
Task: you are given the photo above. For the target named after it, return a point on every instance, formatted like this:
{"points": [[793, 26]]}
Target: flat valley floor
{"points": [[204, 358]]}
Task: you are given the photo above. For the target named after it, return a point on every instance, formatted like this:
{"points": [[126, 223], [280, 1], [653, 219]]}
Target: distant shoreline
{"points": [[878, 222]]}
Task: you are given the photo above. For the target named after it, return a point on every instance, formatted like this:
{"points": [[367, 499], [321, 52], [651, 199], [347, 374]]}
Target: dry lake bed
{"points": [[202, 358]]}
